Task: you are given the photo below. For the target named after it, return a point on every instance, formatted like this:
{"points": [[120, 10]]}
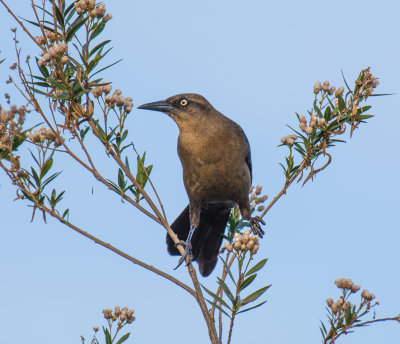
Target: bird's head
{"points": [[182, 108]]}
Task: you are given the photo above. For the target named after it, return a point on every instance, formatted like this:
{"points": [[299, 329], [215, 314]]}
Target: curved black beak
{"points": [[161, 105]]}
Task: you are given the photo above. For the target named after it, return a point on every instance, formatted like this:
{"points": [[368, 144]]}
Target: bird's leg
{"points": [[255, 222], [256, 226], [194, 210]]}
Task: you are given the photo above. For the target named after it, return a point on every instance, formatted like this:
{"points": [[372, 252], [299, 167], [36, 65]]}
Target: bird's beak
{"points": [[161, 105]]}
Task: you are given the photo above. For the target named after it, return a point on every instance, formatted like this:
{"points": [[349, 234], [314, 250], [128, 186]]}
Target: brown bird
{"points": [[217, 174]]}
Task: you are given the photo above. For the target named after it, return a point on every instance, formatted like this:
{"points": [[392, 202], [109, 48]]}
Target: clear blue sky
{"points": [[256, 62]]}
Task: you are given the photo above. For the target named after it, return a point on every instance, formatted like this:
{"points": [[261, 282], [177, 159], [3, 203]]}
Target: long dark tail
{"points": [[207, 238]]}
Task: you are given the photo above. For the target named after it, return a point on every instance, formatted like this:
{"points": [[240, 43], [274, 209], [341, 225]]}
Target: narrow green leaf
{"points": [[257, 267], [247, 309], [226, 290], [254, 296], [107, 335], [36, 177], [50, 179], [98, 47], [46, 167], [247, 282], [228, 270], [214, 296], [100, 70], [57, 84], [218, 307], [75, 26], [66, 212], [121, 181], [123, 338], [99, 28]]}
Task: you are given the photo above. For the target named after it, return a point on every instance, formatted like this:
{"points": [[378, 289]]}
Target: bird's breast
{"points": [[214, 167]]}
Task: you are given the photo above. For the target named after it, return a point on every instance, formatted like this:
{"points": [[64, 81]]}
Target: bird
{"points": [[217, 174]]}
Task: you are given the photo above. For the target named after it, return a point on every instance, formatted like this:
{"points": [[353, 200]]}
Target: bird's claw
{"points": [[256, 226], [187, 254]]}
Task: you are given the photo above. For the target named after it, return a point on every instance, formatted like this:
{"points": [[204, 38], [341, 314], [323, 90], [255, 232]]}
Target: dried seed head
{"points": [[329, 302], [107, 17], [64, 59], [250, 244], [317, 87], [309, 130], [255, 249], [321, 122], [339, 91], [331, 90], [96, 92], [355, 288], [107, 313], [347, 305], [63, 47], [302, 126], [107, 89], [325, 86], [302, 119], [53, 52], [120, 101]]}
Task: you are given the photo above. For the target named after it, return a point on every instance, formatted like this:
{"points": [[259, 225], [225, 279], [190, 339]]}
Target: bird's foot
{"points": [[186, 254], [255, 225]]}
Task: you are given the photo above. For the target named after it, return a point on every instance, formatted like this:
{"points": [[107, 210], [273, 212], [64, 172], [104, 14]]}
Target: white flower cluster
{"points": [[54, 52], [11, 122], [314, 122], [244, 243], [41, 135], [94, 11]]}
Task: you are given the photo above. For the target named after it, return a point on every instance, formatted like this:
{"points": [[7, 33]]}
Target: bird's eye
{"points": [[184, 102]]}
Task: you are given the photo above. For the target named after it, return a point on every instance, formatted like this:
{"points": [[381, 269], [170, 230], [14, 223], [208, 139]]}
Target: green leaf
{"points": [[99, 28], [51, 178], [214, 296], [57, 84], [123, 338], [247, 309], [107, 335], [254, 296], [75, 26], [66, 213], [35, 176], [69, 12], [121, 180], [219, 307], [100, 70], [60, 17], [226, 290], [247, 281], [127, 164], [98, 47], [257, 267], [46, 167], [362, 117], [341, 103], [228, 270]]}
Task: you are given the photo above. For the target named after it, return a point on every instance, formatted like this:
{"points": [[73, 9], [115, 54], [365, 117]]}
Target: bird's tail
{"points": [[207, 238]]}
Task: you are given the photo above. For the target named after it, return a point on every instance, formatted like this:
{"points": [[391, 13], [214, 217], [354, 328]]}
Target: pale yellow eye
{"points": [[184, 102]]}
